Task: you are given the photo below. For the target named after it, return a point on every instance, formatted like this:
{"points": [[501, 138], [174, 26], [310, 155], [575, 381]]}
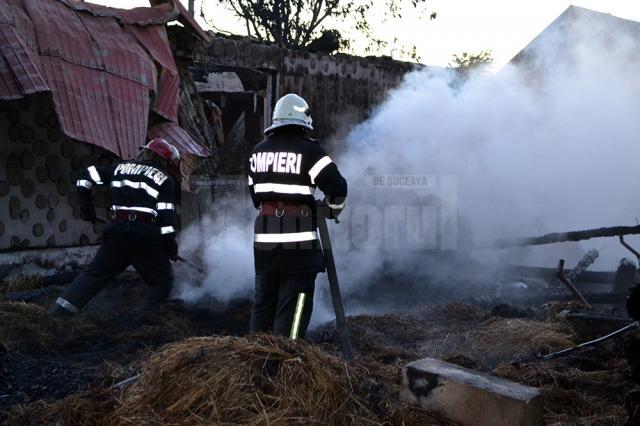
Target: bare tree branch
{"points": [[308, 32], [296, 23]]}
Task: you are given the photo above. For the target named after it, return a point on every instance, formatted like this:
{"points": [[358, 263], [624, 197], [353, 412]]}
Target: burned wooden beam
{"points": [[569, 284], [559, 237], [520, 272]]}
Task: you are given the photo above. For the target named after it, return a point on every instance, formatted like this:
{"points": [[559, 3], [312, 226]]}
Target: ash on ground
{"points": [[60, 372]]}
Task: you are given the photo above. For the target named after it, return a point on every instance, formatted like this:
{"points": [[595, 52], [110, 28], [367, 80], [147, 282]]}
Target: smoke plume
{"points": [[550, 143]]}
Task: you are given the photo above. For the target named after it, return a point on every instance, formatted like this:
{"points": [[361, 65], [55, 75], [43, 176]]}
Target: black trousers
{"points": [[283, 303], [145, 253]]}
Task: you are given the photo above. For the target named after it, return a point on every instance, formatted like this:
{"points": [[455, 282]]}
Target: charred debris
{"points": [[114, 361]]}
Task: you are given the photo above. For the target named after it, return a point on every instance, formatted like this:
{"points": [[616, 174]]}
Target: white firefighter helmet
{"points": [[290, 110]]}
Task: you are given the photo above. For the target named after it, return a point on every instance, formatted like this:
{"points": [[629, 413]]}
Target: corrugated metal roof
{"points": [[100, 108], [155, 40], [115, 52], [19, 66], [100, 64], [177, 136], [22, 23], [60, 33]]}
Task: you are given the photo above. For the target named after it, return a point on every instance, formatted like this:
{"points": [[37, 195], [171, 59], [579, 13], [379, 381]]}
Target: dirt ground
{"points": [[64, 372]]}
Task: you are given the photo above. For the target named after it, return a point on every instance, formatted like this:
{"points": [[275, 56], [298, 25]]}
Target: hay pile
{"points": [[465, 330], [26, 327], [75, 410], [213, 380], [452, 313], [23, 321], [500, 339], [455, 330], [21, 283], [237, 380], [573, 395]]}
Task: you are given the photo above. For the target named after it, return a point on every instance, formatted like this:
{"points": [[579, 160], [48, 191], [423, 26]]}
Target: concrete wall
{"points": [[38, 169]]}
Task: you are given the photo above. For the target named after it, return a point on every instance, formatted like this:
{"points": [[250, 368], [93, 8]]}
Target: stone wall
{"points": [[341, 89]]}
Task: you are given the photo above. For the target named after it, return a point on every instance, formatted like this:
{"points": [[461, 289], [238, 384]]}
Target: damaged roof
{"points": [[105, 68]]}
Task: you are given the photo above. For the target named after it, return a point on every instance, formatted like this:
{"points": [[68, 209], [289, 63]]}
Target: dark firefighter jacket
{"points": [[287, 168], [135, 187]]}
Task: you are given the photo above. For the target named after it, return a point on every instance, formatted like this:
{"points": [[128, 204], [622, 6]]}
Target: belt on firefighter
{"points": [[280, 209], [133, 216]]}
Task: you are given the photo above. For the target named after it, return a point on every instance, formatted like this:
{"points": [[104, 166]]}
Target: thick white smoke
{"points": [[224, 241], [549, 145]]}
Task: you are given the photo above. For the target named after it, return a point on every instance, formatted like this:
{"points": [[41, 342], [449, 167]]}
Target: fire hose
{"points": [[193, 265]]}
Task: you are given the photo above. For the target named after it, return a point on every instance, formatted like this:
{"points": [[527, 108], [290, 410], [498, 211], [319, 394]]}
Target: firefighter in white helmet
{"points": [[284, 172]]}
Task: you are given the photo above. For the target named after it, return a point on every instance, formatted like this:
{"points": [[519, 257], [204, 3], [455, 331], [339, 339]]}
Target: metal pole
{"points": [[334, 286], [192, 265]]}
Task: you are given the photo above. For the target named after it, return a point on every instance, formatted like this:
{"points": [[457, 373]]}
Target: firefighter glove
{"points": [[334, 213], [333, 210], [170, 247]]}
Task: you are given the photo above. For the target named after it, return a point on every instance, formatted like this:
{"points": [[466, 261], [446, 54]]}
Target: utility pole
{"points": [[192, 7]]}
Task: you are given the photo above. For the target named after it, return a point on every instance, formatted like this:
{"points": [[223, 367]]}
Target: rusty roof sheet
{"points": [[155, 40], [20, 73], [116, 54], [100, 108], [178, 137], [101, 66]]}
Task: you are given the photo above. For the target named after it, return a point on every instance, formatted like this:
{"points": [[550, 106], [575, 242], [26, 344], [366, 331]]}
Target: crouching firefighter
{"points": [[142, 227], [285, 170]]}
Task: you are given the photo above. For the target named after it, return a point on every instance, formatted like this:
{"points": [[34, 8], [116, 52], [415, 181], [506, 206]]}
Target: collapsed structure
{"points": [[83, 84]]}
